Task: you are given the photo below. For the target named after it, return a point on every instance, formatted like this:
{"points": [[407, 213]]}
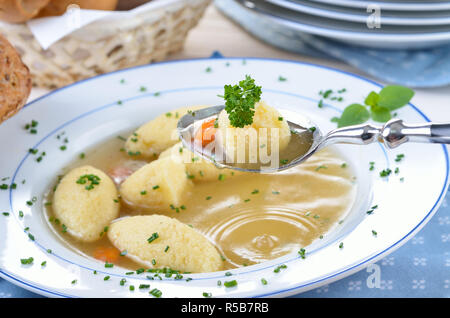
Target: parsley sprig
{"points": [[240, 101]]}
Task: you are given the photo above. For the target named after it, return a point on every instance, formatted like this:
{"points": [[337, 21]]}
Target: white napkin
{"points": [[51, 29]]}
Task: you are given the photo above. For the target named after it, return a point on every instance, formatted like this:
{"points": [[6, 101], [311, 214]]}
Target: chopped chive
{"points": [[144, 286], [156, 293], [385, 172], [399, 157], [302, 253], [279, 268], [231, 283], [27, 261], [153, 237]]}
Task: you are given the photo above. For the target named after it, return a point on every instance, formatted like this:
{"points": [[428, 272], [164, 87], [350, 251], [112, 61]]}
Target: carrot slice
{"points": [[207, 133], [107, 254]]}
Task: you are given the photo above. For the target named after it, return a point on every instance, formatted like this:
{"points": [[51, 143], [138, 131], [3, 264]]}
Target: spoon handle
{"points": [[357, 134], [395, 132]]}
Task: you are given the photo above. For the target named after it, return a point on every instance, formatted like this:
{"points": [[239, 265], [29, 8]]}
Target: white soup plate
{"points": [[88, 113]]}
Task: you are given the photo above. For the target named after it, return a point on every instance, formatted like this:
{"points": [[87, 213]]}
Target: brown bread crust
{"points": [[18, 11], [58, 7], [15, 80]]}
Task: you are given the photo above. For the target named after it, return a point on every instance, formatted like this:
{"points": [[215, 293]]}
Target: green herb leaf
{"points": [[372, 99], [395, 96], [380, 114], [353, 115]]}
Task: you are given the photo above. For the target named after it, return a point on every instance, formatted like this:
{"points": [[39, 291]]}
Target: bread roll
{"points": [[58, 7], [18, 11], [15, 80]]}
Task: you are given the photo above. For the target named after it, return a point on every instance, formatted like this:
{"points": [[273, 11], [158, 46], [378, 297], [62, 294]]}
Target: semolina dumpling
{"points": [[198, 169], [149, 140], [158, 241], [161, 184], [265, 117], [85, 202]]}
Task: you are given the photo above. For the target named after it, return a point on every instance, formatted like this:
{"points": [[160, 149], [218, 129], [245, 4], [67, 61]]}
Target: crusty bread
{"points": [[15, 80], [58, 7], [17, 11], [130, 4]]}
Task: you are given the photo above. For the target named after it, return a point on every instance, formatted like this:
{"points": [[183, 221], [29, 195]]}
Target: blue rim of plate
{"points": [[393, 5], [338, 13], [344, 34], [346, 271]]}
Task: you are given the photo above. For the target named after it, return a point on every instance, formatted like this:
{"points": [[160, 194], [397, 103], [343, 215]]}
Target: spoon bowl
{"points": [[189, 123], [392, 134]]}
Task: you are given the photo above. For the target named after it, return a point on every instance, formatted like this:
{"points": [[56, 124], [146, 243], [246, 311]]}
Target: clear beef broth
{"points": [[250, 218]]}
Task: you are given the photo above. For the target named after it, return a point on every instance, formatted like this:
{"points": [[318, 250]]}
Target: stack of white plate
{"points": [[394, 24]]}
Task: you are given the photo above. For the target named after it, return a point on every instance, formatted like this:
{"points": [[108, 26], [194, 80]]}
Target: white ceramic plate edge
{"points": [[343, 273]]}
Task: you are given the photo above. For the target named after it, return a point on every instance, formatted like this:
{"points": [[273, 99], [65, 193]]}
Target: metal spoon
{"points": [[392, 134]]}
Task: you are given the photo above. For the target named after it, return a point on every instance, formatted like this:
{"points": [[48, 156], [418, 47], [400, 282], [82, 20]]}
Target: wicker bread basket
{"points": [[107, 45]]}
